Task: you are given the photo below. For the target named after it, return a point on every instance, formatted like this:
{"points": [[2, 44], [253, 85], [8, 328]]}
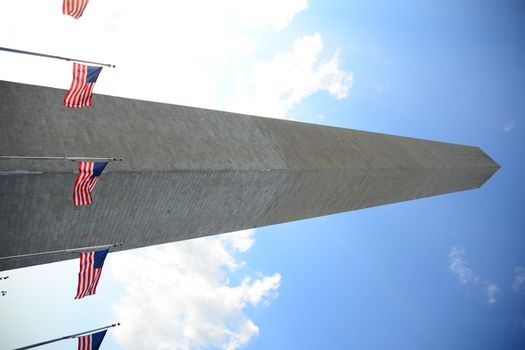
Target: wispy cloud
{"points": [[519, 322], [519, 279], [181, 295], [491, 291], [459, 267], [510, 126], [467, 276], [381, 87]]}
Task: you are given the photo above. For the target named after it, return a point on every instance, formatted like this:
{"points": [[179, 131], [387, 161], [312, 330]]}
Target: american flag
{"points": [[74, 8], [87, 178], [80, 93], [90, 270], [91, 341]]}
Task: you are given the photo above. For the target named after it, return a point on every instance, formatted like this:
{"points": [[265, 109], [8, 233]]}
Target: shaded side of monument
{"points": [[191, 172]]}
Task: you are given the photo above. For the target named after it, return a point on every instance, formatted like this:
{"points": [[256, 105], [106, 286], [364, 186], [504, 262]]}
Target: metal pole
{"points": [[66, 337], [109, 159], [74, 250], [53, 56]]}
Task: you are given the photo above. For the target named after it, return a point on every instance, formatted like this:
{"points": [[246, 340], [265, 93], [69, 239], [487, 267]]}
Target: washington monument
{"points": [[192, 172]]}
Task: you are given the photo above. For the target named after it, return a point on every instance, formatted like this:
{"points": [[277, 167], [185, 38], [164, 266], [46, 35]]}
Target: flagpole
{"points": [[53, 56], [72, 336], [73, 159], [73, 250]]}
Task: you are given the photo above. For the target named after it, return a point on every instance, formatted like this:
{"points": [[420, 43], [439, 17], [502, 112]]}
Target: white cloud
{"points": [[491, 292], [179, 296], [466, 276], [459, 267], [519, 278], [261, 290], [176, 52], [510, 126], [277, 85], [276, 13], [241, 241]]}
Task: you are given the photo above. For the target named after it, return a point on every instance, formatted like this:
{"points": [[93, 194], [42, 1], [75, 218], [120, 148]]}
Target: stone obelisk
{"points": [[192, 172]]}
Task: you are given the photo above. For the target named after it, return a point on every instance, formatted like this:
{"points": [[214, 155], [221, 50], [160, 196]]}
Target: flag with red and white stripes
{"points": [[74, 8], [80, 94], [87, 178], [90, 270], [91, 341]]}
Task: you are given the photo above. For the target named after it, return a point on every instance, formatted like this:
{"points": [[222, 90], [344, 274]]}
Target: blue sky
{"points": [[441, 272]]}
